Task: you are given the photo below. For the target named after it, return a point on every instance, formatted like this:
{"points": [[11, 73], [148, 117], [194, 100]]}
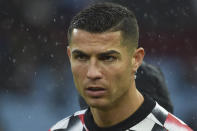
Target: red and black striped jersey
{"points": [[149, 117]]}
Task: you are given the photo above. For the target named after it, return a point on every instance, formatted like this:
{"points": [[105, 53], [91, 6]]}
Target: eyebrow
{"points": [[78, 52], [110, 52]]}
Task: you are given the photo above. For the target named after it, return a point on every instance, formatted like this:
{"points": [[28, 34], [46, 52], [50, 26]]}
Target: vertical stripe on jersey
{"points": [[160, 113], [74, 124], [158, 128]]}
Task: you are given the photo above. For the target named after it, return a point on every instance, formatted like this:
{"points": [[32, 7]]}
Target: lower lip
{"points": [[97, 93]]}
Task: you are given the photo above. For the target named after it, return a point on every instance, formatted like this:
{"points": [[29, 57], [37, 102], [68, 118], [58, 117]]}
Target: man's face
{"points": [[102, 67]]}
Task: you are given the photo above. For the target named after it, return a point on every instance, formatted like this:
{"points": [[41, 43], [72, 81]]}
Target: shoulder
{"points": [[172, 122], [153, 78], [164, 119], [74, 120]]}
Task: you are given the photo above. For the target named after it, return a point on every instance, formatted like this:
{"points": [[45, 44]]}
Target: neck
{"points": [[128, 104]]}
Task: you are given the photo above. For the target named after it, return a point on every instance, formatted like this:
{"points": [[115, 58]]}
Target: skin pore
{"points": [[103, 71]]}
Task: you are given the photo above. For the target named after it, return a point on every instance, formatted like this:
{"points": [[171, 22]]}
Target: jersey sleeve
{"points": [[71, 123], [172, 123], [60, 125]]}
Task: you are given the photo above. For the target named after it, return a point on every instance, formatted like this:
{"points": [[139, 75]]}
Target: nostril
{"points": [[94, 73], [94, 77]]}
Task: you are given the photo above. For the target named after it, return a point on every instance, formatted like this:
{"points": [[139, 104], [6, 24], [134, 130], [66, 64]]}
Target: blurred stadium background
{"points": [[36, 86]]}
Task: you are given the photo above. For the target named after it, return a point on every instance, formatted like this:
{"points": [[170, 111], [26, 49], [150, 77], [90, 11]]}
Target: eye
{"points": [[108, 58], [81, 57]]}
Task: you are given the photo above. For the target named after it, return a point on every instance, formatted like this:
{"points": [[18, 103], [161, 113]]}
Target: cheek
{"points": [[119, 77], [122, 76], [120, 70], [79, 73]]}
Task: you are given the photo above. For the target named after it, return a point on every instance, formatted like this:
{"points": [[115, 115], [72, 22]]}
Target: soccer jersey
{"points": [[149, 117]]}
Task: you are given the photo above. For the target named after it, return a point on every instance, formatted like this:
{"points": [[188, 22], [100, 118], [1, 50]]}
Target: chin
{"points": [[99, 104]]}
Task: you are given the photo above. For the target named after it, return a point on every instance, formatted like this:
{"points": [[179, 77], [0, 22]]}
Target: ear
{"points": [[138, 57], [69, 52]]}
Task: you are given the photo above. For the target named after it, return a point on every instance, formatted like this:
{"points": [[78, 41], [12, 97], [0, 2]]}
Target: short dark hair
{"points": [[105, 16]]}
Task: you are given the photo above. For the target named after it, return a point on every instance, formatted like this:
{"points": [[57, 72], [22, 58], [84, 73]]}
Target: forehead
{"points": [[101, 41]]}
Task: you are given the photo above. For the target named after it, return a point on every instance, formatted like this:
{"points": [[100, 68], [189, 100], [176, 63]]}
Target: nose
{"points": [[94, 71]]}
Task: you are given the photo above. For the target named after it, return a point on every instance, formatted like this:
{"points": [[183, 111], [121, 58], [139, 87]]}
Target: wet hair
{"points": [[107, 17]]}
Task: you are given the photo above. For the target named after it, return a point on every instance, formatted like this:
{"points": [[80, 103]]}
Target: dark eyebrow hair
{"points": [[102, 53], [78, 52], [109, 53]]}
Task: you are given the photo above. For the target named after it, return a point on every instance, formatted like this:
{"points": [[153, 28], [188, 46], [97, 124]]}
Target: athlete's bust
{"points": [[104, 55]]}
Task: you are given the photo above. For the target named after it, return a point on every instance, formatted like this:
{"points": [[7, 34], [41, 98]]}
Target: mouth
{"points": [[95, 91], [95, 88]]}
